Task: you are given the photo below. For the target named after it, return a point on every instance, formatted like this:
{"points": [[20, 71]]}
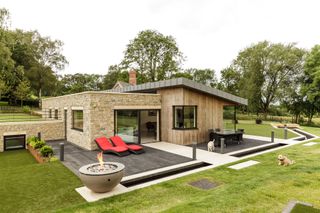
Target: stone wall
{"points": [[98, 112], [69, 102], [50, 130]]}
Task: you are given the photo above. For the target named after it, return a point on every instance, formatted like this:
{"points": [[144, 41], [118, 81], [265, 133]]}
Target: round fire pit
{"points": [[101, 177]]}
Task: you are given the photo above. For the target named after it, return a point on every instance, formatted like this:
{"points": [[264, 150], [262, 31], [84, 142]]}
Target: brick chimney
{"points": [[132, 77]]}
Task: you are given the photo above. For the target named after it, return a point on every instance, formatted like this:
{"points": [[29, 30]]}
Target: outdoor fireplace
{"points": [[103, 176]]}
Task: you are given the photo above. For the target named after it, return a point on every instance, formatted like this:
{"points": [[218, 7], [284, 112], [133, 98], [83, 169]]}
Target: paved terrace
{"points": [[234, 146], [75, 157]]}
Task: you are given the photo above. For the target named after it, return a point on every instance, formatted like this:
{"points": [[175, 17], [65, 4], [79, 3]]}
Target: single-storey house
{"points": [[177, 111]]}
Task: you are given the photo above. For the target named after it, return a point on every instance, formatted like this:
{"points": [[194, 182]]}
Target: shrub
{"points": [[46, 151], [26, 109], [258, 121], [31, 139], [39, 144]]}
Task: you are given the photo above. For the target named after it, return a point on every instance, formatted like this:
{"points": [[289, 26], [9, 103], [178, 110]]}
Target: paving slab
{"points": [[91, 196], [310, 144], [213, 158], [243, 165]]}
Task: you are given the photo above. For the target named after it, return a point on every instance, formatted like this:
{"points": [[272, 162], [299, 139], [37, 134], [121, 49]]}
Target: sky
{"points": [[210, 33]]}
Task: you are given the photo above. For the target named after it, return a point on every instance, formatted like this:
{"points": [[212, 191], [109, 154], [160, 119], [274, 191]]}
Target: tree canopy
{"points": [[28, 56], [153, 55]]}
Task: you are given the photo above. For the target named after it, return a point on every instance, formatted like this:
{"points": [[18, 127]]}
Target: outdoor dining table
{"points": [[228, 135]]}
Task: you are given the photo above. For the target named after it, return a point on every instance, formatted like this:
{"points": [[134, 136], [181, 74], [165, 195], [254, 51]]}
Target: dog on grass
{"points": [[210, 146], [284, 161]]}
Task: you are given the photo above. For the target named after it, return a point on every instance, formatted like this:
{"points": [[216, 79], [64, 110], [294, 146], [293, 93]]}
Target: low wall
{"points": [[50, 130]]}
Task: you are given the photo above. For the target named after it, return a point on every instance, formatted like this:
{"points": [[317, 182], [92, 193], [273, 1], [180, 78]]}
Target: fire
{"points": [[100, 158]]}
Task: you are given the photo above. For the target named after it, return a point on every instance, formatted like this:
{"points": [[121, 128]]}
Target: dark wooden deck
{"points": [[75, 157]]}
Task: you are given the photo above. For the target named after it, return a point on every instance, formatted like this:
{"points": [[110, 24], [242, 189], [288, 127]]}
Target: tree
{"points": [[79, 83], [311, 84], [4, 18], [22, 91], [28, 55], [48, 59], [114, 74], [154, 56], [203, 76], [229, 81], [3, 88], [266, 71]]}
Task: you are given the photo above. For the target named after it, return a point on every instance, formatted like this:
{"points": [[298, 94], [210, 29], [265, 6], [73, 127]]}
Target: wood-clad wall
{"points": [[209, 112]]}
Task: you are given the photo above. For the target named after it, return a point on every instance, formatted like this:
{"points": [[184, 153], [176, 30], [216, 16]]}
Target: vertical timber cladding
{"points": [[209, 112]]}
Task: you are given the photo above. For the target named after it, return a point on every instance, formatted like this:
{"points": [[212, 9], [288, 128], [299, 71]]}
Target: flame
{"points": [[100, 158]]}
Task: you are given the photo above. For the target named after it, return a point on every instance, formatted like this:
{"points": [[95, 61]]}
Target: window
{"points": [[77, 119], [184, 117], [50, 113], [56, 112]]}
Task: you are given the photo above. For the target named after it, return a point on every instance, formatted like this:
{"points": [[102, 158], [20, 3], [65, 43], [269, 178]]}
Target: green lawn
{"points": [[312, 130], [263, 129], [26, 186], [3, 103], [11, 117], [265, 187], [299, 208]]}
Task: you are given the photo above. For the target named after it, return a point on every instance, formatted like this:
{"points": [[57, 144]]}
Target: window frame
{"points": [[56, 114], [50, 113], [72, 113], [174, 117]]}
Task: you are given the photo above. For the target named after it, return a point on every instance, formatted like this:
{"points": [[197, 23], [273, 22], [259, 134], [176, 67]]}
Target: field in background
{"points": [[264, 129]]}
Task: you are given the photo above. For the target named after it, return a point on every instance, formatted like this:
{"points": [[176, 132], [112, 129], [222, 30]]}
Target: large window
{"points": [[77, 119], [185, 117]]}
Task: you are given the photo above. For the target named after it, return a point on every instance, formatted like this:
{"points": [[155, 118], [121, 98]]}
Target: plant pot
{"points": [[37, 155]]}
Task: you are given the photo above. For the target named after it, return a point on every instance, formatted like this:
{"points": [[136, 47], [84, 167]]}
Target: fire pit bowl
{"points": [[101, 177]]}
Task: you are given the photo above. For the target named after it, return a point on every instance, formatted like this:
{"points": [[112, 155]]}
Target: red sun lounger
{"points": [[118, 142], [106, 147]]}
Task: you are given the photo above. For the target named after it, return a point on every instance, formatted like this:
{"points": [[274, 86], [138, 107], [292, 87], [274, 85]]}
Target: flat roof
{"points": [[181, 82]]}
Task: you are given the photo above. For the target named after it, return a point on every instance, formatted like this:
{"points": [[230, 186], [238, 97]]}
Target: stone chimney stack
{"points": [[133, 77]]}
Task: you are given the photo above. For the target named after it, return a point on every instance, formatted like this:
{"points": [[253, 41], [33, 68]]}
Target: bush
{"points": [[39, 144], [46, 151], [32, 139], [258, 121], [26, 109]]}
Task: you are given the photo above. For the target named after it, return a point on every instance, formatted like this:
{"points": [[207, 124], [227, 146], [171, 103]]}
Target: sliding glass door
{"points": [[127, 125], [137, 126]]}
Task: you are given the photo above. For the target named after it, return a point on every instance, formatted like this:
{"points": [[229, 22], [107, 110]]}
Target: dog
{"points": [[211, 146], [284, 161]]}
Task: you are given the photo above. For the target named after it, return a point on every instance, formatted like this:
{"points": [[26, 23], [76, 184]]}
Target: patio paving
{"points": [[75, 157], [232, 147]]}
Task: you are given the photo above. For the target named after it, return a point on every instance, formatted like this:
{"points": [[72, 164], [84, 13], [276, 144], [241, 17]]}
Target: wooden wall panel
{"points": [[210, 114]]}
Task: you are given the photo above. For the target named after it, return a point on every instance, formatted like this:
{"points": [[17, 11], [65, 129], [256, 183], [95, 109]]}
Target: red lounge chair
{"points": [[106, 146], [118, 142]]}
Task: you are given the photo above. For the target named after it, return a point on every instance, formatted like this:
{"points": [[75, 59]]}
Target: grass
{"points": [[3, 103], [27, 186], [312, 130], [263, 129], [299, 208], [14, 117], [265, 187]]}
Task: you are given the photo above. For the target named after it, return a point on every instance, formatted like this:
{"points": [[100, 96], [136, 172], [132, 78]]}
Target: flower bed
{"points": [[39, 150]]}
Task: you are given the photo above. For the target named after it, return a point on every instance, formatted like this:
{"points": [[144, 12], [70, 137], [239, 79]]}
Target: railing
{"points": [[18, 114]]}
